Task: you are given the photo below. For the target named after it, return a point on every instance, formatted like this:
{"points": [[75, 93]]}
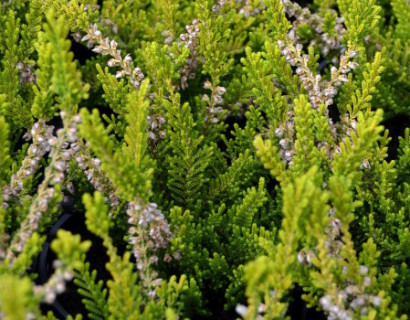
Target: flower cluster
{"points": [[351, 299], [111, 24], [336, 311], [333, 232], [305, 258], [148, 217], [286, 132], [149, 232], [214, 102], [320, 91], [190, 41], [55, 285], [248, 10], [243, 310], [26, 75], [42, 135], [332, 242], [326, 41], [55, 173], [92, 169], [105, 46], [218, 5], [169, 37], [348, 125], [155, 126]]}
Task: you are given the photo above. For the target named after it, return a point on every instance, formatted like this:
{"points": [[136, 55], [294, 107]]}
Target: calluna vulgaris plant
{"points": [[225, 152]]}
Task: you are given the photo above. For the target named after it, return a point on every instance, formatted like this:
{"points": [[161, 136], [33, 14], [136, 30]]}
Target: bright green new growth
{"points": [[227, 154], [128, 167]]}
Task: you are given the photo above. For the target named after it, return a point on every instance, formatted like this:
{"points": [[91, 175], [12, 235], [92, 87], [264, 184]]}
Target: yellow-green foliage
{"points": [[235, 150]]}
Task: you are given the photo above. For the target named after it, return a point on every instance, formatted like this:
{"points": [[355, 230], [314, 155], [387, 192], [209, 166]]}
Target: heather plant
{"points": [[221, 153]]}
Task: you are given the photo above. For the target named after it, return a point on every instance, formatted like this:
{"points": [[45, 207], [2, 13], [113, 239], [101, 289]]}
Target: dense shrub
{"points": [[223, 155]]}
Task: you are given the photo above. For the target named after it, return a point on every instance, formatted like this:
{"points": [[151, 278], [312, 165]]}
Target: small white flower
{"points": [[365, 164], [221, 90], [60, 165], [128, 58], [98, 49], [152, 135], [279, 132], [68, 275], [301, 257], [352, 65], [85, 38], [241, 310], [120, 74], [29, 316], [325, 302], [52, 141], [152, 294], [364, 311], [57, 264], [353, 54], [376, 301], [284, 143], [77, 118], [363, 269], [112, 62], [97, 161], [97, 33], [343, 78], [60, 287], [50, 297]]}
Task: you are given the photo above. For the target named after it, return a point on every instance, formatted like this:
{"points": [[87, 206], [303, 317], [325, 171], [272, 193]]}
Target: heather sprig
{"points": [[226, 153]]}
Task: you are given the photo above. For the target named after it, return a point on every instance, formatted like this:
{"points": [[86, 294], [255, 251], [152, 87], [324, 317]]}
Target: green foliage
{"points": [[302, 201], [188, 158], [306, 153], [16, 297], [128, 167], [402, 12], [69, 248], [43, 99], [361, 100], [115, 91], [92, 291], [361, 20], [183, 297], [14, 108], [403, 165], [279, 24], [270, 158], [235, 150], [123, 297], [5, 159], [30, 251], [212, 39], [251, 202], [65, 80]]}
